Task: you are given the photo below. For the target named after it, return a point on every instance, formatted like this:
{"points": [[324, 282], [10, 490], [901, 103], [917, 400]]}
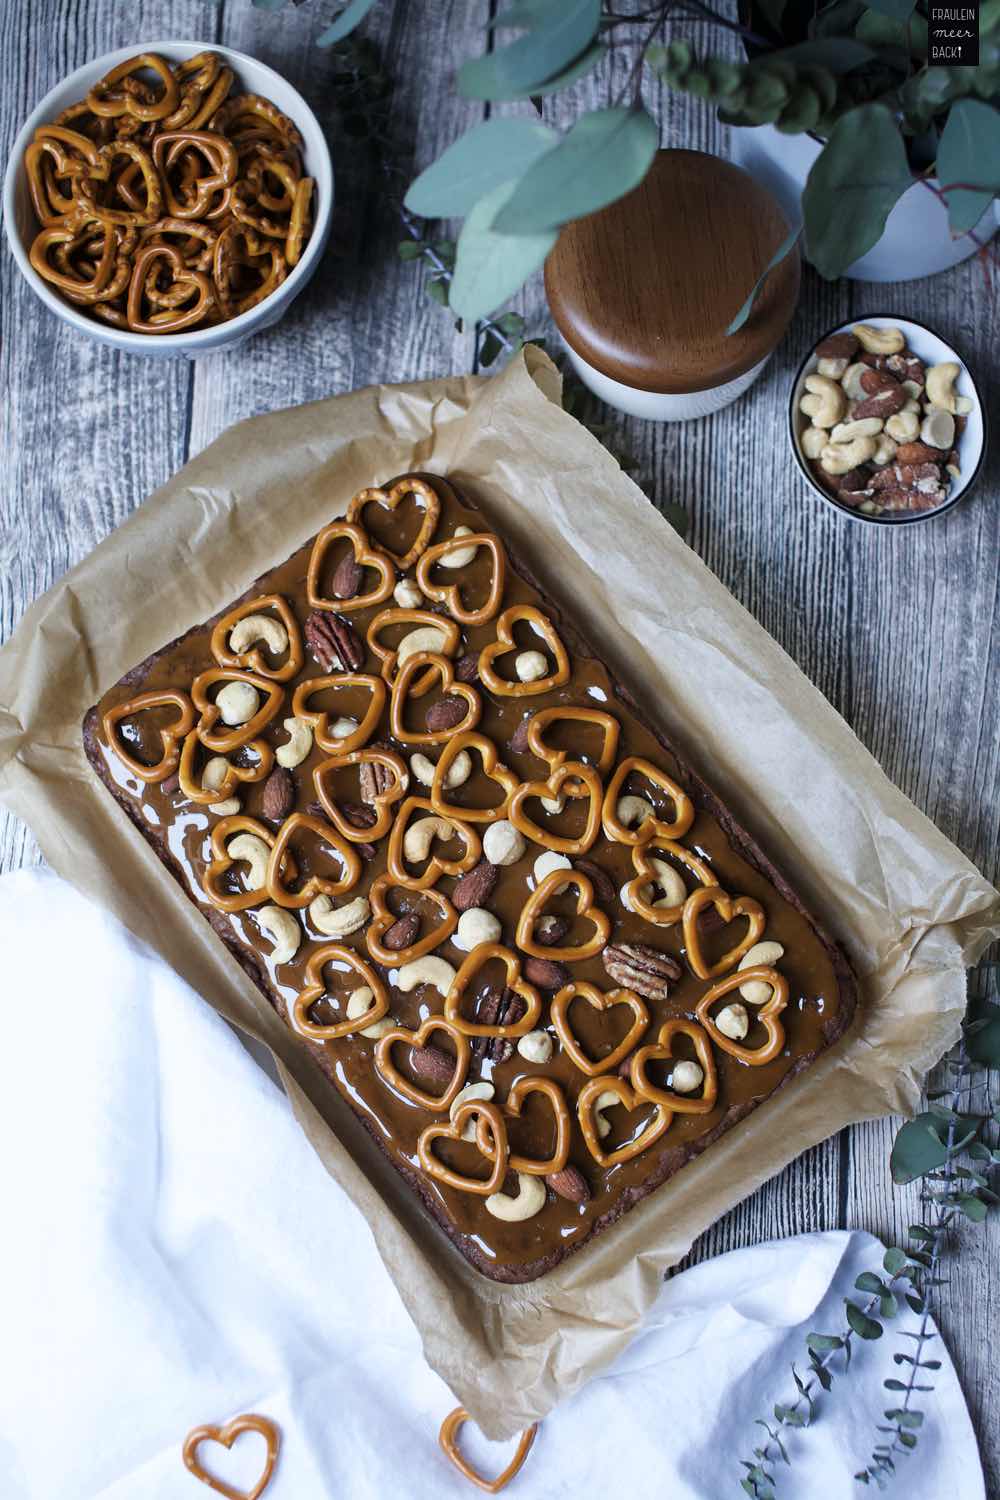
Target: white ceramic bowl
{"points": [[971, 446], [251, 77]]}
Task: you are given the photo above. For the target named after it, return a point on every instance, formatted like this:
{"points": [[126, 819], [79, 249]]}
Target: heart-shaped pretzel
{"points": [[471, 966], [227, 1435], [320, 720], [255, 660], [492, 768], [553, 758], [383, 919], [612, 1084], [169, 737], [381, 802], [396, 861], [316, 885], [448, 1438], [505, 643], [102, 172], [233, 776], [559, 1015], [662, 1051], [767, 1014], [406, 1087], [215, 149], [450, 594], [316, 988], [535, 905], [222, 862], [423, 619], [232, 737], [728, 909], [67, 237], [573, 779], [109, 101], [173, 318], [423, 493], [498, 1152], [452, 689], [646, 875], [528, 1084], [652, 828], [364, 556]]}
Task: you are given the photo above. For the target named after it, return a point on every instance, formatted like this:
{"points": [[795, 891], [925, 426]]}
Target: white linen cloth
{"points": [[173, 1253]]}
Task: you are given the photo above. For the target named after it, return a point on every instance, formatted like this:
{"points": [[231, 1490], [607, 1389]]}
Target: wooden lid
{"points": [[644, 289]]}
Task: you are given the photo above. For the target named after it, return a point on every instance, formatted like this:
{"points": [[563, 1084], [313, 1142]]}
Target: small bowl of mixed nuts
{"points": [[886, 422]]}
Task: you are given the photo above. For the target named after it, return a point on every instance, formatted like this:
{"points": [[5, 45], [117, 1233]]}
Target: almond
{"points": [[570, 1183], [432, 1065], [917, 453], [519, 739], [550, 930], [600, 879], [347, 578], [475, 887], [837, 346], [445, 714], [279, 795], [467, 667], [545, 973], [402, 933]]}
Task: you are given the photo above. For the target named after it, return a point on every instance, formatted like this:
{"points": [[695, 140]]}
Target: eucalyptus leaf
{"points": [[972, 1207], [533, 59], [577, 69], [488, 154], [489, 267], [823, 1343], [969, 152], [351, 16], [786, 246], [878, 30], [899, 10], [606, 154], [772, 11], [838, 54], [894, 1260], [919, 1147], [864, 1326], [853, 185], [869, 1282], [523, 13]]}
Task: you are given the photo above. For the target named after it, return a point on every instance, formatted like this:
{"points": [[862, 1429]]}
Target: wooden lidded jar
{"points": [[643, 291]]}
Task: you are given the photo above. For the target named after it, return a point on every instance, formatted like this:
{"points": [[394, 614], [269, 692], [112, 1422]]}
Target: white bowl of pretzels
{"points": [[170, 201]]}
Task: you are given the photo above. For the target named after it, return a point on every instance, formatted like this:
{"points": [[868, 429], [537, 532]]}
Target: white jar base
{"points": [[655, 406]]}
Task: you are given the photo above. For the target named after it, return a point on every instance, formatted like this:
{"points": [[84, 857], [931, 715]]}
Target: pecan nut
{"points": [[639, 967], [570, 1184], [475, 887], [402, 933], [497, 1007], [375, 778], [334, 642], [278, 797]]}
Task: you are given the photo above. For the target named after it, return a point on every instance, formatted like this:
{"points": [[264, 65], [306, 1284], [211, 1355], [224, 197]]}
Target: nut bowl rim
{"points": [[968, 478], [219, 336]]}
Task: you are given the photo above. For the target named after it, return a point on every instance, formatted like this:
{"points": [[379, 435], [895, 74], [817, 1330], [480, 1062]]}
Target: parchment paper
{"points": [[910, 909]]}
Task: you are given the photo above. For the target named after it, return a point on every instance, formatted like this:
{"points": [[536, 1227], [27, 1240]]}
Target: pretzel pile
{"points": [[165, 204], [426, 695]]}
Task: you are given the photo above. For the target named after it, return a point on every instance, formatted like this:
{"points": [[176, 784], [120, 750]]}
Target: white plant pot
{"points": [[917, 240]]}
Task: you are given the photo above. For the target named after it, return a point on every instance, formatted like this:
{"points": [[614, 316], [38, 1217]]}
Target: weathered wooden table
{"points": [[898, 628]]}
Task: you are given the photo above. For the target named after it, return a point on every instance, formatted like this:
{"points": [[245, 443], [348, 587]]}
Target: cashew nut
{"points": [[430, 969], [407, 595], [840, 458], [756, 990], [553, 804], [604, 1101], [420, 836], [885, 450], [547, 862], [530, 666], [851, 382], [283, 930], [476, 926], [426, 638], [300, 738], [502, 844], [530, 1199], [237, 702], [832, 368], [472, 1091], [937, 429], [536, 1047], [338, 921], [212, 778], [457, 774], [812, 441], [258, 628], [903, 427], [358, 1002], [461, 556], [879, 340], [686, 1076], [255, 854], [673, 887], [632, 812], [940, 384], [846, 432], [826, 402], [733, 1021], [963, 405]]}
